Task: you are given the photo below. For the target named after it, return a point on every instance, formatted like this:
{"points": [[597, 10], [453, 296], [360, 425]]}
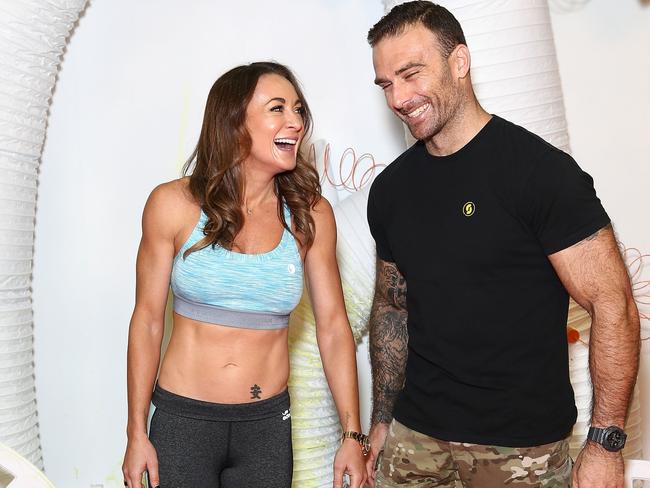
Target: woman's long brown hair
{"points": [[217, 177]]}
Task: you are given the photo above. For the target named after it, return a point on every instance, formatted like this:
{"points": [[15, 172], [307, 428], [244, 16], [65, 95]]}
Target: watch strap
{"points": [[362, 439], [596, 434]]}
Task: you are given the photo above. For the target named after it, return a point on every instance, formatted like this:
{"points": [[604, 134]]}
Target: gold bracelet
{"points": [[362, 439]]}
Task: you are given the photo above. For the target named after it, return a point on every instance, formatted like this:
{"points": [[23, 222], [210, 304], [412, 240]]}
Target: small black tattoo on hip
{"points": [[255, 392]]}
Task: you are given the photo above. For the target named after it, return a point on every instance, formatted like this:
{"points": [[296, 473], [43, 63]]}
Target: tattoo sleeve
{"points": [[388, 340]]}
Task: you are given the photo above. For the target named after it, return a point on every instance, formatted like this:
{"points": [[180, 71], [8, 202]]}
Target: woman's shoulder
{"points": [[174, 194], [170, 202], [324, 222], [322, 210], [174, 191]]}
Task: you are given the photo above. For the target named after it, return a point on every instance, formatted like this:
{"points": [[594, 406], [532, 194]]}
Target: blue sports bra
{"points": [[255, 291]]}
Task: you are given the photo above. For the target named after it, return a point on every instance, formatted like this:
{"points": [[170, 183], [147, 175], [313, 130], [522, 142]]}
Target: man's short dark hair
{"points": [[437, 19]]}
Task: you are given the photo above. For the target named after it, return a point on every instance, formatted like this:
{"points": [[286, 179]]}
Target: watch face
{"points": [[614, 439]]}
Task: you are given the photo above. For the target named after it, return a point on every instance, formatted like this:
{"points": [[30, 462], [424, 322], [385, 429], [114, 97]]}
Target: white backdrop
{"points": [[127, 111]]}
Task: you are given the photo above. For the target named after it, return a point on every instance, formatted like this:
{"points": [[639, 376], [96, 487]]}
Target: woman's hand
{"points": [[140, 456], [350, 459]]}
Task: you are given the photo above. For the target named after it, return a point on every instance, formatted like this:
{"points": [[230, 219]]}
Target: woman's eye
{"points": [[410, 75], [277, 108], [300, 110]]}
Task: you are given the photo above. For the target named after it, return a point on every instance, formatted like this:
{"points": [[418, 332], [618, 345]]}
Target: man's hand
{"points": [[596, 467], [377, 436]]}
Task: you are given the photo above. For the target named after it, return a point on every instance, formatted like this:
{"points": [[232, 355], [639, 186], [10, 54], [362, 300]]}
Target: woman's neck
{"points": [[258, 190]]}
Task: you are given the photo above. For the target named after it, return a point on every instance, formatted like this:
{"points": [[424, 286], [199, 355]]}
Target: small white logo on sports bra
{"points": [[286, 414], [291, 268]]}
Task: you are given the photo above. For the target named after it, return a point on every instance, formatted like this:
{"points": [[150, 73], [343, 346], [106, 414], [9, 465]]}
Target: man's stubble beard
{"points": [[443, 109]]}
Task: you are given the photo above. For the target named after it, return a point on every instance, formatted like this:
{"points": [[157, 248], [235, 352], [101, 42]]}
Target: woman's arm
{"points": [[335, 340], [153, 268]]}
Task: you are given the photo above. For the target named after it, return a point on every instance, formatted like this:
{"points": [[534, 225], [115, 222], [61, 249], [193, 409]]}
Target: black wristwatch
{"points": [[611, 438]]}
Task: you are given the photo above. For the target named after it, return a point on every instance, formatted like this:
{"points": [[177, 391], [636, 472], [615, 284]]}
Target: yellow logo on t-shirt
{"points": [[468, 209]]}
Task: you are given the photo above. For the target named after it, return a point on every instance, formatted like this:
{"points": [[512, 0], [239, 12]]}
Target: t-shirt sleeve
{"points": [[376, 224], [559, 202]]}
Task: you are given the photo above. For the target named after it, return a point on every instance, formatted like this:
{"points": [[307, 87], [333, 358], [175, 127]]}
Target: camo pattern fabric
{"points": [[411, 459]]}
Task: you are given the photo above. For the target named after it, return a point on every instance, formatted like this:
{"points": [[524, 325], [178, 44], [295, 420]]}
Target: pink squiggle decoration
{"points": [[350, 182], [640, 288]]}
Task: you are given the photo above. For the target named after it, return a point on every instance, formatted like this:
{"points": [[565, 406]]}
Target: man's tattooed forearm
{"points": [[391, 285], [388, 340]]}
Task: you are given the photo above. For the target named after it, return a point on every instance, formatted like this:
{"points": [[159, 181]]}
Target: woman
{"points": [[232, 238]]}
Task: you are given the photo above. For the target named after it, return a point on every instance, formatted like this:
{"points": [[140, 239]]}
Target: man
{"points": [[483, 230]]}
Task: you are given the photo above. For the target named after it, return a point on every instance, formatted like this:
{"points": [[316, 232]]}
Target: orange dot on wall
{"points": [[572, 335]]}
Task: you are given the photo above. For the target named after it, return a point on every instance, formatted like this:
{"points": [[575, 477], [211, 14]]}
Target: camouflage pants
{"points": [[411, 459]]}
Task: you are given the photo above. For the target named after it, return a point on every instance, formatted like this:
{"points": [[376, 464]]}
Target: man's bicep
{"points": [[592, 270], [390, 284]]}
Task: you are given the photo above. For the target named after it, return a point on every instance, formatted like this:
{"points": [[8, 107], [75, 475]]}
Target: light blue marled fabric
{"points": [[210, 284]]}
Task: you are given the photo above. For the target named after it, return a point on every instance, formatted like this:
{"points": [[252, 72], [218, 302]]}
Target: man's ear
{"points": [[460, 61]]}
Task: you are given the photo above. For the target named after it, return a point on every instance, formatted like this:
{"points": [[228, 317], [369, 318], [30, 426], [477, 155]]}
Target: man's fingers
{"points": [[371, 482], [574, 478], [370, 468]]}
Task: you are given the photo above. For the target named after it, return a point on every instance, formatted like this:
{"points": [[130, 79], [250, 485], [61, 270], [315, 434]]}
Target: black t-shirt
{"points": [[470, 232]]}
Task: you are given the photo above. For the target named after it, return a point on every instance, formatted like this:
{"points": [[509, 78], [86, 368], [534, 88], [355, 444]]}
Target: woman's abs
{"points": [[222, 364]]}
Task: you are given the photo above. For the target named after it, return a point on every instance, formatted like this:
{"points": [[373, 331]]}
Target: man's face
{"points": [[417, 80]]}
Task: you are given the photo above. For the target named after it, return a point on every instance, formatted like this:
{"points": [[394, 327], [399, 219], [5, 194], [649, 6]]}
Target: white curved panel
{"points": [[33, 35]]}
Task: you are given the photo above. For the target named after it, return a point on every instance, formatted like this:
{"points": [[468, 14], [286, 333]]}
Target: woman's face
{"points": [[274, 122]]}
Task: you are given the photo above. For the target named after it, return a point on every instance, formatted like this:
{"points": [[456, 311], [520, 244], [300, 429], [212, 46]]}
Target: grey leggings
{"points": [[213, 445]]}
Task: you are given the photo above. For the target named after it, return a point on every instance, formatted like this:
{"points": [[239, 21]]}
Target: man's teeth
{"points": [[418, 111], [285, 141]]}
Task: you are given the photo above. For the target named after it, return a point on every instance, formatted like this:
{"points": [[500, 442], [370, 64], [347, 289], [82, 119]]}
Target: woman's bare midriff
{"points": [[220, 364]]}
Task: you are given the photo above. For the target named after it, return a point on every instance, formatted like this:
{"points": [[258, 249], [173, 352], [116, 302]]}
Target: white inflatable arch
{"points": [[33, 37]]}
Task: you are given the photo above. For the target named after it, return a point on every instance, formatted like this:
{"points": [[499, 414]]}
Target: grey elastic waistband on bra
{"points": [[232, 412], [231, 318]]}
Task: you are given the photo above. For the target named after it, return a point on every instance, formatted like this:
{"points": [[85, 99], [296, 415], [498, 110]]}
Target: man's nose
{"points": [[400, 95]]}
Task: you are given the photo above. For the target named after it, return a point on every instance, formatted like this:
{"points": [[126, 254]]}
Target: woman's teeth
{"points": [[285, 144]]}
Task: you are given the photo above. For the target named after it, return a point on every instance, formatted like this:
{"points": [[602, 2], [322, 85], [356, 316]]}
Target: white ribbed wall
{"points": [[33, 36]]}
